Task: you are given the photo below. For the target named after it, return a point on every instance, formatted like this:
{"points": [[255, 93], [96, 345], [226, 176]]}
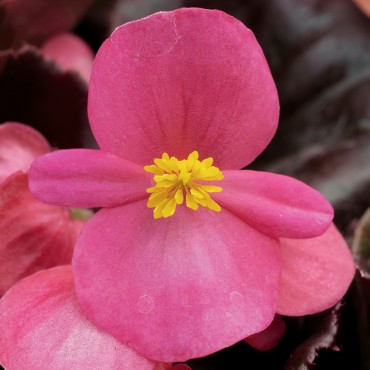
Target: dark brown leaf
{"points": [[36, 92], [324, 330]]}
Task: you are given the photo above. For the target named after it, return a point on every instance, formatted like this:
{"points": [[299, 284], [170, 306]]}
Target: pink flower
{"points": [[204, 272], [33, 235], [43, 328]]}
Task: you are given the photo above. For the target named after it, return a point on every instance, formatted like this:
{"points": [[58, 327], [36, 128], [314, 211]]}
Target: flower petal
{"points": [[87, 178], [175, 82], [277, 205], [176, 288], [43, 328], [19, 146], [316, 273], [33, 235]]}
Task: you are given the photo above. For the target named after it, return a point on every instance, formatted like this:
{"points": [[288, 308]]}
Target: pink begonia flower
{"points": [[43, 328], [198, 273], [70, 53], [33, 235]]}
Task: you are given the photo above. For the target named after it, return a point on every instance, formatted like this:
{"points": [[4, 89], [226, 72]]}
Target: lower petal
{"points": [[42, 328], [277, 205], [316, 273], [176, 288]]}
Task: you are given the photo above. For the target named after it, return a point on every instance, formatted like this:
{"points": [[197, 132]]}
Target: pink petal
{"points": [[71, 53], [43, 328], [191, 79], [176, 288], [269, 338], [19, 146], [33, 235], [276, 205], [316, 273], [87, 178]]}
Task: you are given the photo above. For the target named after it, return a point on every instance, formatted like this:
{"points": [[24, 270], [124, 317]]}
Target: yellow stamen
{"points": [[174, 179]]}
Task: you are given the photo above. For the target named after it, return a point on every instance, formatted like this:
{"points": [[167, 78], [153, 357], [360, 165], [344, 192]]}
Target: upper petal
{"points": [[175, 82], [176, 288], [19, 146], [316, 273], [87, 178], [43, 328], [277, 205]]}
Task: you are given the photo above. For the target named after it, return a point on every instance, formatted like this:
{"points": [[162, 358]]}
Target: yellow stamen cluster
{"points": [[176, 180]]}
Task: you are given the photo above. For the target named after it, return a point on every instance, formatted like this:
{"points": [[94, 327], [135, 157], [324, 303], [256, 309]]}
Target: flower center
{"points": [[175, 178]]}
